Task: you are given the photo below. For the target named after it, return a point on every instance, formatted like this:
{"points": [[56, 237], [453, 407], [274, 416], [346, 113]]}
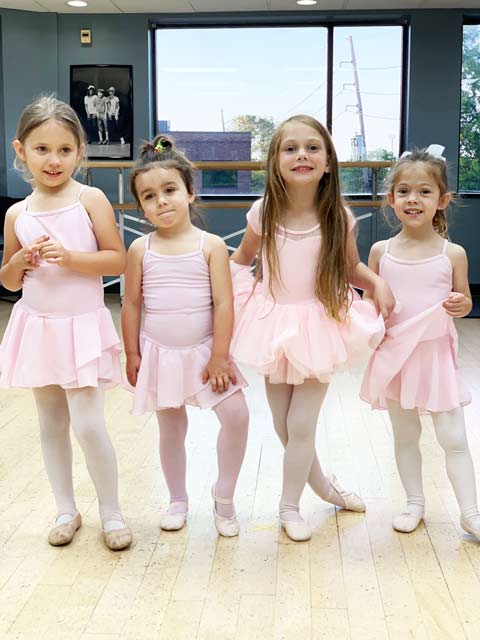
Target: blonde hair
{"points": [[161, 152], [331, 281], [37, 113], [437, 167]]}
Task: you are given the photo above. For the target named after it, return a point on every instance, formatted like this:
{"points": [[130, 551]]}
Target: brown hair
{"points": [[438, 169], [161, 152], [331, 282], [40, 111]]}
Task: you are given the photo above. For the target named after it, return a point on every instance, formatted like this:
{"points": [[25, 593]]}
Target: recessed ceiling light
{"points": [[307, 2], [77, 3]]}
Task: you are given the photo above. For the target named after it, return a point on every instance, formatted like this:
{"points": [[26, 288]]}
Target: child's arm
{"points": [[16, 259], [110, 259], [368, 279], [248, 248], [459, 302], [132, 308], [376, 252], [219, 369]]}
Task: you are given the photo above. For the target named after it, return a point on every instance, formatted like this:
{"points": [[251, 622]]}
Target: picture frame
{"points": [[102, 97]]}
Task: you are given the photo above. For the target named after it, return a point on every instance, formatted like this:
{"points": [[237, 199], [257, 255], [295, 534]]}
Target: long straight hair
{"points": [[331, 281]]}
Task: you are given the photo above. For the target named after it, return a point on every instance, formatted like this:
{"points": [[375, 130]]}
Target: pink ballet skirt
{"points": [[416, 364], [177, 333], [291, 338], [60, 332]]}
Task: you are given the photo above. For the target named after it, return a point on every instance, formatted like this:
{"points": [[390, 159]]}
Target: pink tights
{"points": [[232, 414]]}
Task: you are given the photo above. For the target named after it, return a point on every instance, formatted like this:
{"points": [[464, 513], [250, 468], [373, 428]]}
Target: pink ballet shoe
{"points": [[64, 533], [173, 521], [227, 527], [353, 502], [470, 527], [407, 521], [299, 531]]}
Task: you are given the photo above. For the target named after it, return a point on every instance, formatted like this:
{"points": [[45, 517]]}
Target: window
{"points": [[366, 99], [469, 161], [222, 91], [219, 180]]}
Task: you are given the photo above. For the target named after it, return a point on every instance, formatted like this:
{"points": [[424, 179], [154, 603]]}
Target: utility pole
{"points": [[363, 156], [359, 96], [223, 121]]}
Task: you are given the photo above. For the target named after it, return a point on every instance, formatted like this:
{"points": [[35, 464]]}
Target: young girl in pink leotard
{"points": [[180, 354], [415, 368], [302, 321], [60, 339]]}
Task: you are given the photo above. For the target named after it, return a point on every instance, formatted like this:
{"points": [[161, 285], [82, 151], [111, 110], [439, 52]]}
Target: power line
{"points": [[378, 68], [380, 117]]}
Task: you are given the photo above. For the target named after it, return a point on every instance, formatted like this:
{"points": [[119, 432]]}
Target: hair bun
{"points": [[162, 143]]}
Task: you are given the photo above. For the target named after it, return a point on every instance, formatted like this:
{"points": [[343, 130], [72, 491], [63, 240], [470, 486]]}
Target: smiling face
{"points": [[416, 196], [302, 156], [163, 197], [51, 153]]}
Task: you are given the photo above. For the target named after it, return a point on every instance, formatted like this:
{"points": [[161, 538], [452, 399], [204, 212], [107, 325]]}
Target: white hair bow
{"points": [[434, 150]]}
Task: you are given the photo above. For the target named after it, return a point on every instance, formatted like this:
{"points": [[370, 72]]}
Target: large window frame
{"points": [[235, 21], [472, 20]]}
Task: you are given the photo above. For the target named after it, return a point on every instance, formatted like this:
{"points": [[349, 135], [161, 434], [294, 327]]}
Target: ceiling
{"points": [[201, 6]]}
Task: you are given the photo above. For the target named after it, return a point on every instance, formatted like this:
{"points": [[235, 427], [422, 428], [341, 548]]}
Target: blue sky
{"points": [[278, 72]]}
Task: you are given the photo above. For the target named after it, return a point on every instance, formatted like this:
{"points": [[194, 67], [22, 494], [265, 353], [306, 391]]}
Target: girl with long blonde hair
{"points": [[303, 320]]}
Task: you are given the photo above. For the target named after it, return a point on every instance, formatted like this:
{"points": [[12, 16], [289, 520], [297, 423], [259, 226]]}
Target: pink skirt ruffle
{"points": [[69, 351], [292, 342], [170, 378], [416, 366]]}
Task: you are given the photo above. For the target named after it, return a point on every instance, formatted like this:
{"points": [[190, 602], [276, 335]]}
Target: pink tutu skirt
{"points": [[69, 351], [292, 342], [416, 366], [172, 377]]}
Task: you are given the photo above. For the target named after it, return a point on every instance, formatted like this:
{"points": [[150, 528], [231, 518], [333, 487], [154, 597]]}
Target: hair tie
{"points": [[162, 146]]}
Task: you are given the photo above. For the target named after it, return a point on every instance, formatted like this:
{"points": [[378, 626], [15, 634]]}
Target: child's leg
{"points": [[232, 414], [54, 419], [279, 397], [407, 429], [86, 406], [451, 434], [305, 403], [173, 425]]}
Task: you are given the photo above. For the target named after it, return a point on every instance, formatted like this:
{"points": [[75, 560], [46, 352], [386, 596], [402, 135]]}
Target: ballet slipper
{"points": [[407, 521], [173, 521], [227, 527], [297, 530], [117, 539], [353, 502], [470, 527], [64, 533]]}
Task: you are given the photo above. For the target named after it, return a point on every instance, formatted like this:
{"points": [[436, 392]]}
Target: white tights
{"points": [[82, 409], [295, 410], [232, 414], [452, 437]]}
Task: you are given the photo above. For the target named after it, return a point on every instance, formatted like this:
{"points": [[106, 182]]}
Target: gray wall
{"points": [[46, 44]]}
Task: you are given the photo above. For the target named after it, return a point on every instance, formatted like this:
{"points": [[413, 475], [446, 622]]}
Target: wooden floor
{"points": [[356, 579]]}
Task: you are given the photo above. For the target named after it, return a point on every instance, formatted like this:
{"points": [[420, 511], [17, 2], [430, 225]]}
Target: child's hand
{"points": [[133, 365], [220, 373], [457, 305], [27, 257], [54, 253], [383, 298]]}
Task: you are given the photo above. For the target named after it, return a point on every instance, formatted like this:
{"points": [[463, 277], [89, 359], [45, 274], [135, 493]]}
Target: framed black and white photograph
{"points": [[102, 96]]}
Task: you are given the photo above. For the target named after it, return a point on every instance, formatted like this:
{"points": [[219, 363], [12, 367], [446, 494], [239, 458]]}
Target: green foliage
{"points": [[469, 169], [261, 129]]}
